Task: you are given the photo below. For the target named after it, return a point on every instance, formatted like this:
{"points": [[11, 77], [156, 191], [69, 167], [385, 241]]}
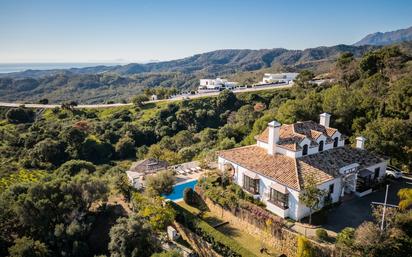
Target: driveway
{"points": [[357, 210]]}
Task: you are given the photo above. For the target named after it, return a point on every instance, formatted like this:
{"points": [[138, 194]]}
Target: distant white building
{"points": [[218, 84], [278, 78], [321, 81], [153, 97]]}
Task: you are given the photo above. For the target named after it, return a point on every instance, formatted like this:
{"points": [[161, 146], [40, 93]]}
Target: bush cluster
{"points": [[322, 234]]}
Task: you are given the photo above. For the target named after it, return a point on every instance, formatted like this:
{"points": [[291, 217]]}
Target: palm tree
{"points": [[405, 195]]}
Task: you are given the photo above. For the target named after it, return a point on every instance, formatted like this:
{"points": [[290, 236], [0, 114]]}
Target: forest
{"points": [[61, 167]]}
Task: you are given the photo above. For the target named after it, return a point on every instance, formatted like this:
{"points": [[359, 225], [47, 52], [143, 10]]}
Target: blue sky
{"points": [[140, 30]]}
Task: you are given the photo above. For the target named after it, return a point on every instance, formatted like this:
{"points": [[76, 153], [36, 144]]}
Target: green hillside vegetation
{"points": [[101, 84], [71, 161], [371, 98]]}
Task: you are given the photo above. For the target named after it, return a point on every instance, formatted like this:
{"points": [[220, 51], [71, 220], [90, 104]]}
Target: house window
{"points": [[305, 150], [331, 188], [335, 142], [251, 185], [321, 146], [377, 171], [328, 198], [279, 199]]}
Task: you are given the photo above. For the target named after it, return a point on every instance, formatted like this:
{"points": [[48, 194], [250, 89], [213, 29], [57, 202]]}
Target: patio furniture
{"points": [[181, 172]]}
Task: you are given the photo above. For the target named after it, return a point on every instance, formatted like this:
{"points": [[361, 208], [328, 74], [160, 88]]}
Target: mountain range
{"points": [[220, 62], [102, 83], [386, 38]]}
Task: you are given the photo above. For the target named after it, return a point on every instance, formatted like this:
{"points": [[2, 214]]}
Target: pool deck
{"points": [[184, 178]]}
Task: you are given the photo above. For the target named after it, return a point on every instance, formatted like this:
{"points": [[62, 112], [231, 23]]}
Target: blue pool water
{"points": [[178, 189]]}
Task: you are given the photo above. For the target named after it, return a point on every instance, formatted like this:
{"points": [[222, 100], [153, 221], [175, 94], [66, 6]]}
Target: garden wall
{"points": [[280, 238], [199, 245]]}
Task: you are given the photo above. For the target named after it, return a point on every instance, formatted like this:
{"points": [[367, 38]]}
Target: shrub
{"points": [[161, 183], [26, 246], [304, 248], [73, 167], [153, 209], [20, 115], [189, 196], [322, 234], [125, 148], [344, 239]]}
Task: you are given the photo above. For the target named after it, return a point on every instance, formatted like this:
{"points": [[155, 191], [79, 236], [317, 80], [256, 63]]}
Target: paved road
{"points": [[357, 210], [97, 106], [51, 106]]}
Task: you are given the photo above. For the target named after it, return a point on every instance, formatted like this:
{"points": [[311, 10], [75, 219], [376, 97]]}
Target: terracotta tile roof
{"points": [[315, 134], [282, 169], [148, 165], [290, 135], [305, 170], [332, 160], [291, 172], [264, 136]]}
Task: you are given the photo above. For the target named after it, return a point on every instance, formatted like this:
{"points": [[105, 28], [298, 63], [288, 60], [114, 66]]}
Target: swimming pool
{"points": [[179, 188]]}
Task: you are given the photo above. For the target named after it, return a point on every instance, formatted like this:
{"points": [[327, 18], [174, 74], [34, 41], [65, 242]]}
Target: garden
{"points": [[230, 197]]}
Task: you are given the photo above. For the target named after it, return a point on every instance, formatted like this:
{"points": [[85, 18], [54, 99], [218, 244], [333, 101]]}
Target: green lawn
{"points": [[251, 243]]}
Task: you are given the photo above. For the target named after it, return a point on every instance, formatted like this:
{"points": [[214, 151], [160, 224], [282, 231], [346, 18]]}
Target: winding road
{"points": [[178, 98]]}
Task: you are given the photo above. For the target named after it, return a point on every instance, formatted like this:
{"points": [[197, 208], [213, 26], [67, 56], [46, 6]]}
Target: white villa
{"points": [[278, 78], [276, 168], [213, 85]]}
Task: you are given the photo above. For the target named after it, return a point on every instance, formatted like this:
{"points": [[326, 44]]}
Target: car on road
{"points": [[393, 172]]}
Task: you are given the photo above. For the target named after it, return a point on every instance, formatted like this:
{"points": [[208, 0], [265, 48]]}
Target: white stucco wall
{"points": [[262, 144], [264, 189], [382, 166], [303, 211], [296, 210], [279, 149]]}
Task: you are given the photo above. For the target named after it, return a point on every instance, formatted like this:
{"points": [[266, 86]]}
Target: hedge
{"points": [[219, 242]]}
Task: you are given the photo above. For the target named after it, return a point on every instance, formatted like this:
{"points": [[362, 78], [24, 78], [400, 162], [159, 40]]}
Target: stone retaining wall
{"points": [[285, 240], [199, 245]]}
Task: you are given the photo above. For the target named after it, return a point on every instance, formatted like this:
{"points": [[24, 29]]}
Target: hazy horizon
{"points": [[47, 31]]}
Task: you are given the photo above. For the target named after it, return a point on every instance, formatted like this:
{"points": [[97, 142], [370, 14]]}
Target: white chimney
{"points": [[324, 119], [360, 142], [274, 127]]}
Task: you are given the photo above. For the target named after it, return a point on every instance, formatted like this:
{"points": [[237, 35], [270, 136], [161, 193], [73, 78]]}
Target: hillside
{"points": [[73, 161], [386, 38], [102, 83]]}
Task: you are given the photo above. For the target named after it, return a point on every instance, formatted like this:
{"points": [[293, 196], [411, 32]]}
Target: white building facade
{"points": [[278, 78], [275, 170], [213, 85]]}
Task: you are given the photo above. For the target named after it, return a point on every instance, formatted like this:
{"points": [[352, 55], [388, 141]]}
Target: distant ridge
{"points": [[386, 38], [219, 62], [116, 83]]}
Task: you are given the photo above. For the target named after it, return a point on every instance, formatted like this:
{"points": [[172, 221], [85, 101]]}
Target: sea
{"points": [[17, 67]]}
